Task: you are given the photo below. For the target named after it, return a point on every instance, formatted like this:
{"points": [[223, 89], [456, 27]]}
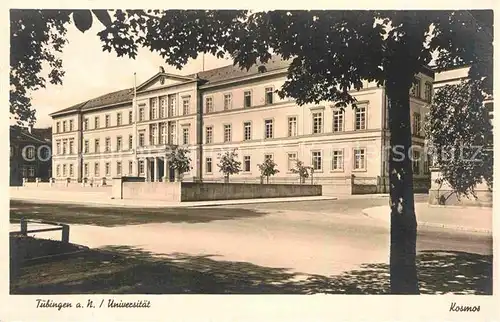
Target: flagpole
{"points": [[134, 117]]}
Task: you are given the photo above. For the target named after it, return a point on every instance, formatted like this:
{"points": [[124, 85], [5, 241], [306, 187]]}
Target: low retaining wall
{"points": [[193, 191], [444, 195]]}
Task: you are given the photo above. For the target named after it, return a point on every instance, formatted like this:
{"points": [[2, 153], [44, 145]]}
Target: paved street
{"points": [[314, 237]]}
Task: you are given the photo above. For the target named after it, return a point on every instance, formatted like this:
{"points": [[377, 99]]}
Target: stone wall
{"points": [[193, 191], [444, 195]]}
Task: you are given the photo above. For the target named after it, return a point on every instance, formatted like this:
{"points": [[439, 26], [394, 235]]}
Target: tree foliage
{"points": [[330, 54], [268, 168], [179, 160], [301, 170], [228, 164], [460, 135]]}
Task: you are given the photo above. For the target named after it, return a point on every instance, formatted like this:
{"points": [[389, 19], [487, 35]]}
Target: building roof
{"points": [[209, 77], [23, 134]]}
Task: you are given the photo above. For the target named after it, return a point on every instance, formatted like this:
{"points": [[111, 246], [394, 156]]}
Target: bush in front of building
{"points": [[268, 168], [228, 164]]}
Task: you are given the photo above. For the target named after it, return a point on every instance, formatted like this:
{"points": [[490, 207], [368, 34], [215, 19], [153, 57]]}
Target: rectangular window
{"points": [[247, 163], [186, 104], [64, 126], [292, 159], [153, 109], [209, 133], [360, 117], [130, 142], [118, 119], [208, 165], [86, 146], [107, 120], [415, 88], [185, 135], [58, 170], [64, 170], [71, 170], [227, 102], [227, 133], [71, 125], [172, 132], [269, 95], [140, 164], [118, 143], [25, 172], [107, 145], [338, 121], [86, 170], [130, 117], [317, 160], [153, 134], [292, 126], [96, 122], [209, 105], [86, 124], [64, 146], [107, 167], [58, 127], [247, 131], [269, 131], [118, 168], [58, 147], [337, 160], [97, 170], [359, 159], [31, 171], [268, 157], [130, 167], [141, 114], [163, 133], [416, 162], [247, 99], [428, 91], [163, 106], [417, 123], [141, 139], [317, 122], [71, 145], [172, 104]]}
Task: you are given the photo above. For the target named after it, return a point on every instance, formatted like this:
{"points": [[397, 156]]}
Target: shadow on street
{"points": [[125, 270]]}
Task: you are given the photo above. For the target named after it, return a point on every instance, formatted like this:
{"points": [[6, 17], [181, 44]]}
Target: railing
{"points": [[64, 228]]}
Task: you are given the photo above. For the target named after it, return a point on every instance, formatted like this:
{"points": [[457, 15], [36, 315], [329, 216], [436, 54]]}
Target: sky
{"points": [[90, 72]]}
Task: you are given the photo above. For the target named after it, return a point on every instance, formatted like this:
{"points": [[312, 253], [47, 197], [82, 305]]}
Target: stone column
{"points": [[156, 169], [146, 169], [165, 170]]}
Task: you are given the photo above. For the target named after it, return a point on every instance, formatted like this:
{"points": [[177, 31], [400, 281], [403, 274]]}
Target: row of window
{"points": [[247, 100], [28, 172], [416, 91], [292, 129], [64, 126], [67, 146], [337, 161]]}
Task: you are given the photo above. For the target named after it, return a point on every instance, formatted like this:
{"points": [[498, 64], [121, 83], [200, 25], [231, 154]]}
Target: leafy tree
{"points": [[180, 161], [228, 164], [331, 52], [268, 168], [301, 170], [460, 137]]}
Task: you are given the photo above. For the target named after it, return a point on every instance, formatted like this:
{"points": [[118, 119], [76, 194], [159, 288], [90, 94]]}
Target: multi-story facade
{"points": [[29, 155], [223, 109]]}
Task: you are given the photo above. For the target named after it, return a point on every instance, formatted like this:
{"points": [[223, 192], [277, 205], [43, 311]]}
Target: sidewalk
{"points": [[102, 199], [473, 219]]}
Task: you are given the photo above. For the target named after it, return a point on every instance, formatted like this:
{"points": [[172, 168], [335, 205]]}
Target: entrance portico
{"points": [[157, 169]]}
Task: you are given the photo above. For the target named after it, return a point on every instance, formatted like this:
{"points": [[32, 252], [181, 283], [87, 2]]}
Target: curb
{"points": [[177, 205], [367, 212]]}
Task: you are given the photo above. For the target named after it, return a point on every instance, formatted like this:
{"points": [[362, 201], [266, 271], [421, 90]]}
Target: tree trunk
{"points": [[267, 179], [226, 178], [403, 268]]}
